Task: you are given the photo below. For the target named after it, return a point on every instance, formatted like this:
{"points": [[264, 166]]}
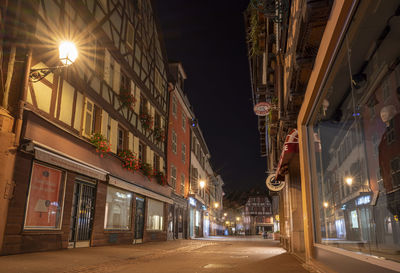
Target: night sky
{"points": [[209, 39]]}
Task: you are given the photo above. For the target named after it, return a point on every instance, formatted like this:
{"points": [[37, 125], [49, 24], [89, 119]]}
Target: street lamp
{"points": [[225, 214], [216, 205], [202, 183], [67, 55], [349, 180]]}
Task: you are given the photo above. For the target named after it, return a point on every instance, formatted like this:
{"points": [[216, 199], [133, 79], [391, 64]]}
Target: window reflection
{"points": [[355, 139]]}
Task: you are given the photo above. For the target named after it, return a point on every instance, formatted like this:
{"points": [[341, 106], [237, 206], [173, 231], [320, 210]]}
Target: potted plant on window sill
{"points": [[146, 120], [159, 134], [101, 143]]}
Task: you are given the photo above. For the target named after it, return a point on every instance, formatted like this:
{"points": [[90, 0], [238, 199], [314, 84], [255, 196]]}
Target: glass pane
{"points": [[155, 215], [118, 209], [354, 139], [45, 200]]}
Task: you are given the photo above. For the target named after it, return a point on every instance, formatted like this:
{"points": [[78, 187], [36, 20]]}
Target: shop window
{"points": [[118, 209], [155, 215], [174, 140], [358, 156], [45, 198]]}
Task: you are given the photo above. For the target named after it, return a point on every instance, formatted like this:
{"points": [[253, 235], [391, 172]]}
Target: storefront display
{"points": [[155, 215], [355, 164], [118, 209], [46, 195]]}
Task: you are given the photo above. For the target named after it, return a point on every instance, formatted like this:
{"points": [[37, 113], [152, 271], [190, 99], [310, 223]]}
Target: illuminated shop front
{"points": [[352, 107]]}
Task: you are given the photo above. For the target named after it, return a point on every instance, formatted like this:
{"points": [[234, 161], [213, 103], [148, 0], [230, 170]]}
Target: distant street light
{"points": [[349, 180], [325, 204], [216, 205], [67, 55], [225, 214]]}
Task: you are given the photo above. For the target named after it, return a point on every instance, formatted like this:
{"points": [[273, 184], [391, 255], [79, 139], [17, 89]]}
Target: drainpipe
{"points": [[24, 92], [10, 70]]}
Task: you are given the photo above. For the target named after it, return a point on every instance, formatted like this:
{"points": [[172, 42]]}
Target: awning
{"points": [[290, 148], [64, 161], [112, 180]]}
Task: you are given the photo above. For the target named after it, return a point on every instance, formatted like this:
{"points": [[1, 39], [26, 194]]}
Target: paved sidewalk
{"points": [[215, 255]]}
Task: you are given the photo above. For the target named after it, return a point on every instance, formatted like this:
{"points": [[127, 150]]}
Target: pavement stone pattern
{"points": [[211, 255]]}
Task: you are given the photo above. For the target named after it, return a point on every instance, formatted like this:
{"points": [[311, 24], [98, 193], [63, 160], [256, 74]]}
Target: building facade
{"points": [[336, 82], [198, 194], [257, 215], [178, 155], [86, 133]]}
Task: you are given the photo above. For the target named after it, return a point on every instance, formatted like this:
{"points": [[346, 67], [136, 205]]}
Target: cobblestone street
{"points": [[219, 254]]}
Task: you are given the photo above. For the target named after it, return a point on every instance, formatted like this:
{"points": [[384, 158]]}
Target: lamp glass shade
{"points": [[68, 52]]}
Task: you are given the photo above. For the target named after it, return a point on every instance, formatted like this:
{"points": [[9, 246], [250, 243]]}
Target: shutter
{"points": [[161, 164], [114, 135], [130, 141], [107, 60], [137, 105], [153, 115], [104, 123], [148, 155], [136, 145], [117, 77], [152, 158]]}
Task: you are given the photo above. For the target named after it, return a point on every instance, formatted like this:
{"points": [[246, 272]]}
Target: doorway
{"points": [[139, 220], [82, 214]]}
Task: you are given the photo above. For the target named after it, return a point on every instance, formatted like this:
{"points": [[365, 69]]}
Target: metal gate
{"points": [[82, 214]]}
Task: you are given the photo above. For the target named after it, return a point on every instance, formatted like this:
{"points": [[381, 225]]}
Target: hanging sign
{"points": [[262, 108], [273, 184]]}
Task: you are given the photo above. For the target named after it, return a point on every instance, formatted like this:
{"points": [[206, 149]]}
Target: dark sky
{"points": [[208, 38]]}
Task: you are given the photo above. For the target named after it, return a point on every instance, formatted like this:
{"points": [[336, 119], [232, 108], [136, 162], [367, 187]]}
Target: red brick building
{"points": [[178, 151]]}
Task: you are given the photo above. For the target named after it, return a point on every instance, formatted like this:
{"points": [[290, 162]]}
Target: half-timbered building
{"points": [[91, 134]]}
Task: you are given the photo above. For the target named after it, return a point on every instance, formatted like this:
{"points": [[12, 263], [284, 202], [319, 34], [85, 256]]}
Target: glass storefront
{"points": [[155, 215], [118, 209], [354, 138], [46, 198]]}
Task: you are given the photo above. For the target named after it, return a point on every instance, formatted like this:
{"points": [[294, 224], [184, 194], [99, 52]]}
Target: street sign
{"points": [[262, 108], [273, 184]]}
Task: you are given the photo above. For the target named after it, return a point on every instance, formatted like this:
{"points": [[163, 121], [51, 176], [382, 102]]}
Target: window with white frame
{"points": [[173, 177], [183, 153], [118, 209], [155, 215], [183, 122], [182, 184], [174, 140], [174, 106]]}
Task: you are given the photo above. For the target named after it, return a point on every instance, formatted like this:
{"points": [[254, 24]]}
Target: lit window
{"points": [[155, 215], [118, 209], [45, 199]]}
